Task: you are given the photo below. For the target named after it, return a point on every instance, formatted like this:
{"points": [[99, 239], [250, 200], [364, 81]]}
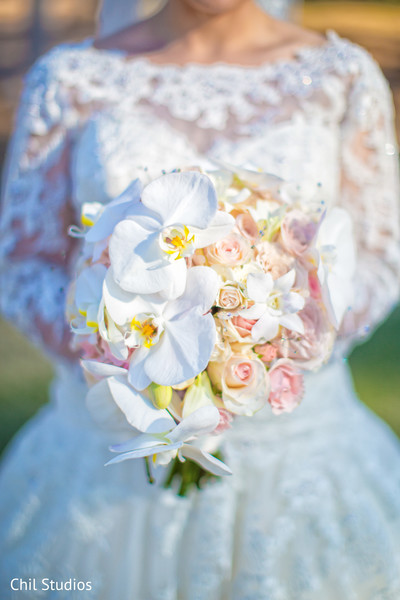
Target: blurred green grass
{"points": [[25, 376]]}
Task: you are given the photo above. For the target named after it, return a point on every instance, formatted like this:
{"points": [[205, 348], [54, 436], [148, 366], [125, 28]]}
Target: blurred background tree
{"points": [[30, 27]]}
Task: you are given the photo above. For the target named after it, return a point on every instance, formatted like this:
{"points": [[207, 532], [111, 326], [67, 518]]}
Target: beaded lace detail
{"points": [[90, 120]]}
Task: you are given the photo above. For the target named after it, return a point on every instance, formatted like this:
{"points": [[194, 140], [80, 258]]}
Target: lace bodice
{"points": [[92, 120]]}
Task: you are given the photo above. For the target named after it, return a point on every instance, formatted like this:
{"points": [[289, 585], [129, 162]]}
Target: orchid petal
{"points": [[205, 460], [202, 285], [122, 306], [183, 350], [139, 442], [139, 410], [187, 198], [103, 409], [144, 452], [293, 302], [292, 322], [221, 225], [266, 328], [259, 286], [254, 312], [137, 376], [200, 422], [89, 285], [286, 282], [114, 212], [99, 369]]}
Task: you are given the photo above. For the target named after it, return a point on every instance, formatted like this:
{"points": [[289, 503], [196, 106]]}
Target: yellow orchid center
{"points": [[85, 220], [147, 330], [177, 241]]}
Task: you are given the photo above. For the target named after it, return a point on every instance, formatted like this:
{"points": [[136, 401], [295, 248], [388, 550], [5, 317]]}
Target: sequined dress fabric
{"points": [[313, 508]]}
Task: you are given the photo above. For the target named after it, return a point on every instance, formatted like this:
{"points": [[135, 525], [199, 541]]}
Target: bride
{"points": [[313, 509]]}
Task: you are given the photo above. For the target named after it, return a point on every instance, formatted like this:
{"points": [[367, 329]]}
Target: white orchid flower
{"points": [[337, 265], [173, 339], [114, 404], [172, 442], [275, 304], [177, 214], [88, 297], [114, 212]]}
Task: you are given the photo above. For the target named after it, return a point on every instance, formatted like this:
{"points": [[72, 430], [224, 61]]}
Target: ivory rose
{"points": [[244, 383], [230, 297], [229, 251], [286, 386]]}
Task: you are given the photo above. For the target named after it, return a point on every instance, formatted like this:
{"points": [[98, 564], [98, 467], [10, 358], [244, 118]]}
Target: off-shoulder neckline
{"points": [[303, 52]]}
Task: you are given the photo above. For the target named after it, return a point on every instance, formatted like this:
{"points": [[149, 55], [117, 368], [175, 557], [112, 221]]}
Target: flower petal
{"points": [[259, 286], [286, 282], [137, 376], [139, 410], [205, 460], [201, 290], [102, 370], [144, 452], [221, 225], [292, 322], [266, 328], [183, 350], [186, 198], [114, 212], [103, 409], [122, 306], [89, 285], [200, 422]]}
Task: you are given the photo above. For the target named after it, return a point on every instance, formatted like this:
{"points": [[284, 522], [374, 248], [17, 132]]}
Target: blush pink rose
{"points": [[311, 349], [244, 383], [243, 326], [287, 386], [273, 259], [232, 250], [247, 227], [266, 352], [298, 232]]}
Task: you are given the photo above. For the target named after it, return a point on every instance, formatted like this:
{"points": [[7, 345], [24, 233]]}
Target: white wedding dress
{"points": [[312, 511]]}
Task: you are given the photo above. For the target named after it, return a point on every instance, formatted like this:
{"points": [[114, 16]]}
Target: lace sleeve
{"points": [[34, 246], [370, 191]]}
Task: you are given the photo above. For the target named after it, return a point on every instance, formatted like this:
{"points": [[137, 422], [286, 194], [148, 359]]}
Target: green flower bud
{"points": [[161, 395]]}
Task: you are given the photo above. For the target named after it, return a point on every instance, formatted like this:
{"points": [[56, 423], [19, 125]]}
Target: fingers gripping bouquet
{"points": [[203, 296]]}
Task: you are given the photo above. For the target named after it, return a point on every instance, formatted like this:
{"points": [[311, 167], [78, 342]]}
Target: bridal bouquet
{"points": [[203, 296]]}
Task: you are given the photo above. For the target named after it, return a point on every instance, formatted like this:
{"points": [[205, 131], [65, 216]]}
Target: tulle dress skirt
{"points": [[312, 511]]}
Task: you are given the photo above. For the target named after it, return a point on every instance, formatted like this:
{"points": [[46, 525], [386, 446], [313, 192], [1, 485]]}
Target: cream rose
{"points": [[230, 297], [244, 383], [229, 251]]}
